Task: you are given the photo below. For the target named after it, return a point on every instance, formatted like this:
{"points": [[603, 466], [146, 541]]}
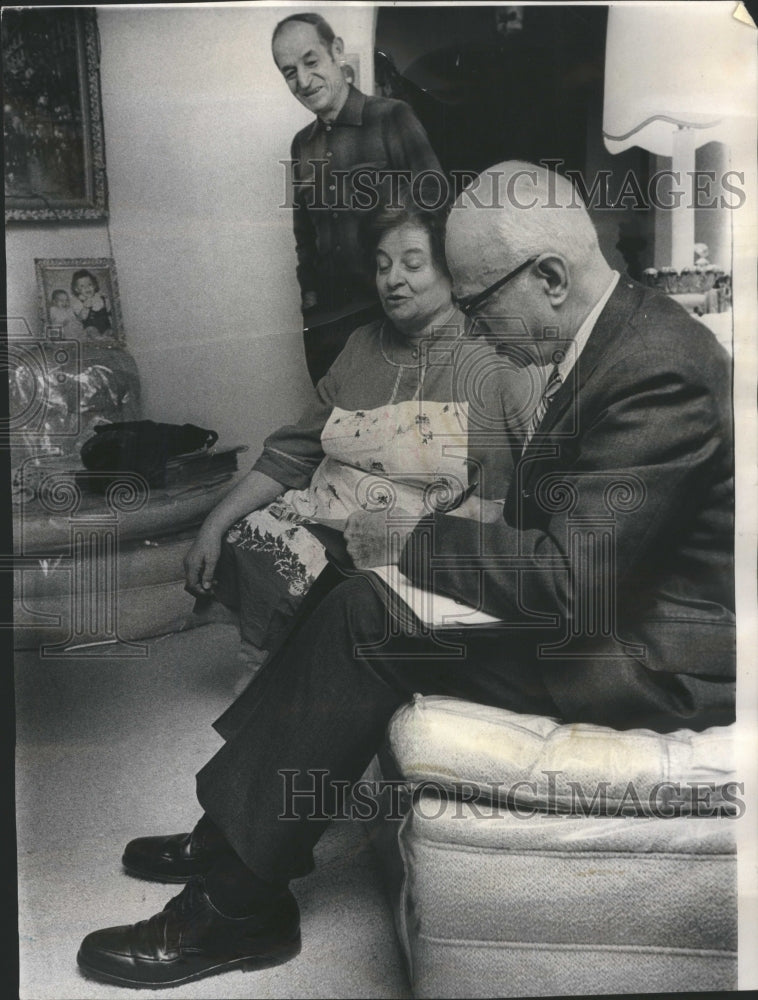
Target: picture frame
{"points": [[52, 118], [351, 69], [79, 300]]}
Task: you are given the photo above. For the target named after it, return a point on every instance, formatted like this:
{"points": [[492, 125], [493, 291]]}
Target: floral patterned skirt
{"points": [[269, 561]]}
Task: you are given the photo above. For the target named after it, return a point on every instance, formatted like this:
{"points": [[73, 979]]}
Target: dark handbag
{"points": [[141, 446]]}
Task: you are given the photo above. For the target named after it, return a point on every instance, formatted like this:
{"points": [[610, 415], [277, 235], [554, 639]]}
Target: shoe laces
{"points": [[189, 899], [161, 934]]}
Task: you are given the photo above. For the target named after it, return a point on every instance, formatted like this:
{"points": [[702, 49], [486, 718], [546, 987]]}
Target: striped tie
{"points": [[551, 390]]}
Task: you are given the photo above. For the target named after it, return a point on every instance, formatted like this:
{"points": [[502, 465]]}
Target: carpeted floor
{"points": [[107, 749]]}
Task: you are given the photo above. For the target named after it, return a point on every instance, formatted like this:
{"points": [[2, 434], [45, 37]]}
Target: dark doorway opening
{"points": [[514, 82], [495, 83]]}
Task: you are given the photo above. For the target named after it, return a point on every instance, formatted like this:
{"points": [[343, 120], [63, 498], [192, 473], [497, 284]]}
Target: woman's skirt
{"points": [[269, 561]]}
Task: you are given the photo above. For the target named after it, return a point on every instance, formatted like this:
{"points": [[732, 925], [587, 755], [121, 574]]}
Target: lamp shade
{"points": [[673, 67]]}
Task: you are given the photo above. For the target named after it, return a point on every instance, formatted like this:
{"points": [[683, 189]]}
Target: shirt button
{"points": [[329, 152], [414, 354], [328, 128], [332, 187], [335, 215]]}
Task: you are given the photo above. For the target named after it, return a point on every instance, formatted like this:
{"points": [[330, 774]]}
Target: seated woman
{"points": [[413, 413]]}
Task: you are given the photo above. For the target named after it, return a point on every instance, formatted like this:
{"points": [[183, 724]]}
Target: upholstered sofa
{"points": [[536, 858], [92, 569]]}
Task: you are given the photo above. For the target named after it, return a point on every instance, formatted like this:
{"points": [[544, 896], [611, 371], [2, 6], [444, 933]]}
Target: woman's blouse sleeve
{"points": [[292, 454]]}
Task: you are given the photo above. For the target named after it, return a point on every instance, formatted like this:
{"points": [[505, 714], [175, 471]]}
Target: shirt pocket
{"points": [[367, 176]]}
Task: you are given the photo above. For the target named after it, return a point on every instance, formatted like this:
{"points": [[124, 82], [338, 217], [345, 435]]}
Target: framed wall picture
{"points": [[52, 116], [79, 299]]}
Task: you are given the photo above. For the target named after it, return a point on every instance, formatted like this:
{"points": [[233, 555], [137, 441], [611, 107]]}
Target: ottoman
{"points": [[92, 570], [536, 858]]}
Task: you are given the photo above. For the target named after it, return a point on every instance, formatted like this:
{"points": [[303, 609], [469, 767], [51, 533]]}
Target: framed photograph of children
{"points": [[79, 299], [52, 116]]}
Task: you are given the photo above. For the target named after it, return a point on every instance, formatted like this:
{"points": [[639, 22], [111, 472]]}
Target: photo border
{"points": [[43, 265]]}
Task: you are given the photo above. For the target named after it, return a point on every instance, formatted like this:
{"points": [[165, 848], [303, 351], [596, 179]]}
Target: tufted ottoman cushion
{"points": [[532, 760], [537, 858]]}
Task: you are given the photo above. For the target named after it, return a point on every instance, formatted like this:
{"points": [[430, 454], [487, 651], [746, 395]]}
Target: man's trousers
{"points": [[322, 703]]}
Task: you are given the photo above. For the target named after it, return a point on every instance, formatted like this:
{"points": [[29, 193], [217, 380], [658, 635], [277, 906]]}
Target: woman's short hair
{"points": [[375, 227], [78, 275]]}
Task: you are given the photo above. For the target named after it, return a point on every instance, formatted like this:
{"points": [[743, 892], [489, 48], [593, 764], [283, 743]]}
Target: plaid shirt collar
{"points": [[351, 112]]}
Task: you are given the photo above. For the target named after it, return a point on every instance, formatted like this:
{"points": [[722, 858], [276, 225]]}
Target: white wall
{"points": [[196, 117]]}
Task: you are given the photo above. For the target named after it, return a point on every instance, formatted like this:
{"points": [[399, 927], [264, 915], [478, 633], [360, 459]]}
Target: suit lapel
{"points": [[610, 323]]}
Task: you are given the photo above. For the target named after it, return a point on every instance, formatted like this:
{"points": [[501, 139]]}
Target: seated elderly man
{"points": [[633, 436]]}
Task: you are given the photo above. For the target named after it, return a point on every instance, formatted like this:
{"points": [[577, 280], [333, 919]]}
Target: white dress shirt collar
{"points": [[584, 331]]}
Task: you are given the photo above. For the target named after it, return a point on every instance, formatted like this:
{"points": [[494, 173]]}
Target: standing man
{"points": [[632, 441], [353, 148]]}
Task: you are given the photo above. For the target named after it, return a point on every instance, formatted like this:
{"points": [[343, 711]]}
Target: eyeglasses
{"points": [[468, 306]]}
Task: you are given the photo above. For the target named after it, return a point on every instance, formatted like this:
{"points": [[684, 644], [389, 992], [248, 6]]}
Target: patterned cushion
{"points": [[530, 760]]}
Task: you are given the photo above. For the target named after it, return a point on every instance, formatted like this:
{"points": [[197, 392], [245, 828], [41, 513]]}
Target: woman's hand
{"points": [[251, 493], [200, 563]]}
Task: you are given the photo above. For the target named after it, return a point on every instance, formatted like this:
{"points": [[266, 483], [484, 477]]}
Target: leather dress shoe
{"points": [[175, 858], [190, 939]]}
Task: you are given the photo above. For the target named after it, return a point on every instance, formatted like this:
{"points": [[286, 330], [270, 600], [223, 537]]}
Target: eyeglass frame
{"points": [[469, 308]]}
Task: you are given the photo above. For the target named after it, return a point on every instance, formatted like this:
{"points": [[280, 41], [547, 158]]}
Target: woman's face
{"points": [[411, 286]]}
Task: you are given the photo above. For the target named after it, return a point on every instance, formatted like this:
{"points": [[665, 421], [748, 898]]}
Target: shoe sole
{"points": [[166, 879], [252, 963]]}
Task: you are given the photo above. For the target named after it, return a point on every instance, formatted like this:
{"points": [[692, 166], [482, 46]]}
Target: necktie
{"points": [[549, 393]]}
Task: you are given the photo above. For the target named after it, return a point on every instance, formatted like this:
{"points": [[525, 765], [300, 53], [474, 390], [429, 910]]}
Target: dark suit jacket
{"points": [[616, 545]]}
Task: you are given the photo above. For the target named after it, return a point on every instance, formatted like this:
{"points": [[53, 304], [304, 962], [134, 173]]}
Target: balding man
{"points": [[607, 581], [343, 159]]}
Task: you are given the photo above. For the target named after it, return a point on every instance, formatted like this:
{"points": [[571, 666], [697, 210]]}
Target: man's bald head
{"points": [[521, 217], [516, 210]]}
